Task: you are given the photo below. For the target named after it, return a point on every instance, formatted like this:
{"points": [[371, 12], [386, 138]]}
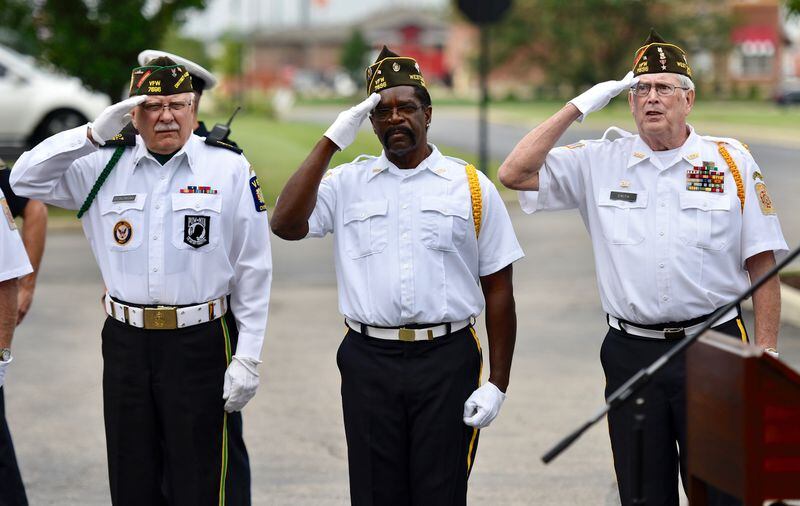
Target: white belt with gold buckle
{"points": [[405, 334], [165, 317]]}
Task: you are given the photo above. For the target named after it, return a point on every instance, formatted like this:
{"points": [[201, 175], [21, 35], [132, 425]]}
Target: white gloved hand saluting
{"points": [[113, 119], [3, 366], [599, 95], [343, 131], [483, 405], [241, 382]]}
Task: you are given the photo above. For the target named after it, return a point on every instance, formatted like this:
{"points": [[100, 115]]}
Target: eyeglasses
{"points": [[157, 107], [663, 89], [385, 113]]}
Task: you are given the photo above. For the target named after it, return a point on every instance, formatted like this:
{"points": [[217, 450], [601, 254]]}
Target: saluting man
{"points": [[180, 233], [680, 224], [422, 243]]}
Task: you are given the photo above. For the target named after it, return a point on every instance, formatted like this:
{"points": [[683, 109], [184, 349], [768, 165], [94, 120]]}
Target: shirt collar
{"points": [[435, 163], [690, 150], [189, 150]]}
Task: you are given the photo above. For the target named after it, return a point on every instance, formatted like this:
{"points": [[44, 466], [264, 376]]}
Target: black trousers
{"points": [[622, 355], [403, 403], [12, 492], [169, 440]]}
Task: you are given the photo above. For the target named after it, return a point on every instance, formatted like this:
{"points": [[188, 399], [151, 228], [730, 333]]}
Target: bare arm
{"points": [[501, 324], [298, 198], [766, 300], [8, 311], [34, 229], [520, 170]]}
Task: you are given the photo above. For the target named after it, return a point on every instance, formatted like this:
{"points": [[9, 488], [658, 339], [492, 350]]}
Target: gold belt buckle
{"points": [[160, 318], [406, 335]]}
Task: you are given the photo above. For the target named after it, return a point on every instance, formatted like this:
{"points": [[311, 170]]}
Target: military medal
{"points": [[706, 178]]}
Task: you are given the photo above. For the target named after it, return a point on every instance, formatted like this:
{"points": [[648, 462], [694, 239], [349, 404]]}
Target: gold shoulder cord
{"points": [[475, 193], [734, 171]]}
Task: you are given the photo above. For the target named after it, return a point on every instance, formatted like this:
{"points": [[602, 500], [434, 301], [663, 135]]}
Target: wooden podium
{"points": [[743, 411]]}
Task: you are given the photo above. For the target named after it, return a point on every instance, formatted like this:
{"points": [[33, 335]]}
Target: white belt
{"points": [[404, 334], [165, 317], [667, 333]]}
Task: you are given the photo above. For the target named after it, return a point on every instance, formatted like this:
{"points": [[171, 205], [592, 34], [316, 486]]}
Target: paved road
{"points": [[293, 427]]}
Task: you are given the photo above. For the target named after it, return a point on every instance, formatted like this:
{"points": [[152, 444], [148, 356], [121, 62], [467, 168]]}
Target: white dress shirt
{"points": [[13, 258], [136, 225], [672, 254], [404, 240]]}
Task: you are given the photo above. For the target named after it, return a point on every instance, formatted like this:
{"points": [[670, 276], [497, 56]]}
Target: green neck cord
{"points": [[100, 180]]}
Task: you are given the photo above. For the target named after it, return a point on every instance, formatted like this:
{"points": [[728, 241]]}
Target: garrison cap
{"points": [[202, 79], [160, 76], [390, 70], [657, 56]]}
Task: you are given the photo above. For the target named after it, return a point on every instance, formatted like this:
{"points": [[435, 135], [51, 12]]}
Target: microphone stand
{"points": [[638, 380]]}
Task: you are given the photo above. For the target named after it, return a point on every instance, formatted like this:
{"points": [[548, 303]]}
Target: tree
{"points": [[583, 42], [354, 55], [96, 40], [793, 6]]}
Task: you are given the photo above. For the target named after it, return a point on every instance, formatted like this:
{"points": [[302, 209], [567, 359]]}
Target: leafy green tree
{"points": [[354, 54], [96, 40], [793, 6], [583, 42]]}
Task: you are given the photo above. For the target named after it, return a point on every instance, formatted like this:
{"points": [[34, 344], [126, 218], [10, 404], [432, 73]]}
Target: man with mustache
{"points": [[680, 224], [187, 311], [422, 244]]}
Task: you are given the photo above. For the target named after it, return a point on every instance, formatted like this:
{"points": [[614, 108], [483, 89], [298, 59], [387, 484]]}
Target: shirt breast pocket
{"points": [[123, 222], [196, 221], [705, 220], [366, 228], [443, 222], [623, 222]]}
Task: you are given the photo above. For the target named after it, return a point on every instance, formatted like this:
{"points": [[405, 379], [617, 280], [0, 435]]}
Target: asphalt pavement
{"points": [[293, 427]]}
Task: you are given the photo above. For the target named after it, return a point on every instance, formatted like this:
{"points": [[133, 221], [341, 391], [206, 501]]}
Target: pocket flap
{"points": [[705, 200], [448, 207], [124, 203], [363, 210], [604, 198], [197, 201]]}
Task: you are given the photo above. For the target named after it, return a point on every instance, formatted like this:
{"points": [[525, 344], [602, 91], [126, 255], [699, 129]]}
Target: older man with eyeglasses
{"points": [[680, 224], [180, 233], [423, 243]]}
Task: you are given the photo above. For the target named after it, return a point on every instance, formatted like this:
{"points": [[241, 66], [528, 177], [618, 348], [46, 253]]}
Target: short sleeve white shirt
{"points": [[664, 250], [404, 240], [13, 258]]}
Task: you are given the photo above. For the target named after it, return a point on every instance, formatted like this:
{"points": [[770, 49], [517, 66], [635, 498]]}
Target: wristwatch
{"points": [[5, 354]]}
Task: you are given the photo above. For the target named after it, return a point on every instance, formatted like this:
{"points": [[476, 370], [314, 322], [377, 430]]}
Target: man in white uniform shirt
{"points": [[420, 242], [179, 232], [680, 224], [14, 264]]}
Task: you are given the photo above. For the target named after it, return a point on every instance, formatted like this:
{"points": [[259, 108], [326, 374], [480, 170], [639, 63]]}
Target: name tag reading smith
{"points": [[624, 196]]}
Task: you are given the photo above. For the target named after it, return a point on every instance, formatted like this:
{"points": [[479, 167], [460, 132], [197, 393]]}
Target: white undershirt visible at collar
{"points": [[666, 158]]}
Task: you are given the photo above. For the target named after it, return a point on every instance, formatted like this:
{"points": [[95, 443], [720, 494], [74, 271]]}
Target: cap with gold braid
{"points": [[390, 70], [160, 76], [657, 56]]}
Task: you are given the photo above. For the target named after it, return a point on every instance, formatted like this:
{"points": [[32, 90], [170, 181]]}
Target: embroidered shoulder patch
{"points": [[764, 200], [258, 195], [7, 212]]}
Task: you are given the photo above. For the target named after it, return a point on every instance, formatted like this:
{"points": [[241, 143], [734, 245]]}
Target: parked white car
{"points": [[36, 103]]}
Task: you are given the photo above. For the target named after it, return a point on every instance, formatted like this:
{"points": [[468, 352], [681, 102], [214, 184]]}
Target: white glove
{"points": [[343, 131], [599, 95], [114, 118], [3, 366], [483, 405], [241, 382]]}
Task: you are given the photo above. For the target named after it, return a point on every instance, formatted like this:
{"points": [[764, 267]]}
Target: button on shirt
{"points": [[153, 243], [663, 253], [13, 258], [405, 246]]}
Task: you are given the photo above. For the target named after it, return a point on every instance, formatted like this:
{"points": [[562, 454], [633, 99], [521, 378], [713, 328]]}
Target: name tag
{"points": [[124, 198], [624, 196]]}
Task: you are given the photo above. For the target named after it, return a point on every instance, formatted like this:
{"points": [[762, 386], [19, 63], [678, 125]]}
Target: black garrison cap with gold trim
{"points": [[160, 76], [657, 56], [390, 70]]}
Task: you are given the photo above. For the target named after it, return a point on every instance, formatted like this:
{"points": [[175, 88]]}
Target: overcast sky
{"points": [[247, 15]]}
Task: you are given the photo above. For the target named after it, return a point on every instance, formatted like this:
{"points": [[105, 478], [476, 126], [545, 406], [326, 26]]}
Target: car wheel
{"points": [[55, 122]]}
